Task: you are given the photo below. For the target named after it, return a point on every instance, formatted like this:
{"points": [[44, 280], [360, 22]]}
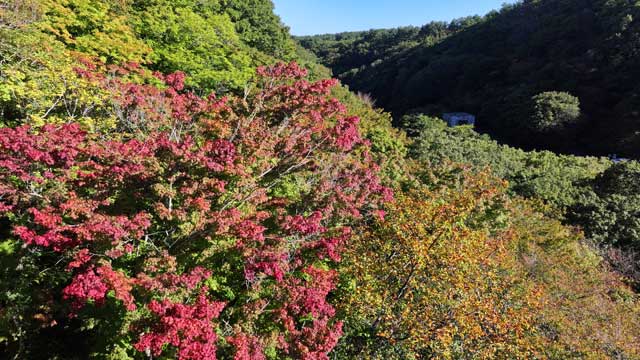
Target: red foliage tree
{"points": [[197, 212]]}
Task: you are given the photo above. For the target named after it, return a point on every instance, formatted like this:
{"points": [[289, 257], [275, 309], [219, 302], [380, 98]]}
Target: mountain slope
{"points": [[171, 189], [495, 65]]}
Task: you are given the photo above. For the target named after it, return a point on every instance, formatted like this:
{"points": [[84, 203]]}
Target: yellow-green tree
{"points": [[458, 270], [429, 281], [96, 28], [589, 311]]}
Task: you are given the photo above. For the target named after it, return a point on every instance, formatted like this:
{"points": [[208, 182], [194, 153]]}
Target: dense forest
{"points": [[494, 67], [182, 179]]}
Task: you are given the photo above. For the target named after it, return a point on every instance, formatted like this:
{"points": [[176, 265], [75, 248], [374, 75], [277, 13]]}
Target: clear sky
{"points": [[308, 17]]}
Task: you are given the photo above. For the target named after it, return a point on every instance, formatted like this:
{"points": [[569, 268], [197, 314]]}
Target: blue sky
{"points": [[307, 17]]}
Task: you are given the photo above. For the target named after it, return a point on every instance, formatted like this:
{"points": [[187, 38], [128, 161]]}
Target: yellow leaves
{"points": [[430, 282], [96, 28], [575, 290], [38, 84], [19, 13]]}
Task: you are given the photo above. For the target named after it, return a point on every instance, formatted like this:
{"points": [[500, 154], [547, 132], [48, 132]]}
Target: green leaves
{"points": [[195, 40], [260, 28], [96, 28], [543, 175], [492, 66], [8, 247], [554, 111], [609, 209], [217, 45]]}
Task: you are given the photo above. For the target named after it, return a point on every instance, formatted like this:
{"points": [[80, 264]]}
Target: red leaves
{"points": [[330, 246], [52, 232], [120, 284], [80, 258], [216, 155], [247, 347], [304, 226], [166, 282], [176, 80], [282, 71], [93, 284], [193, 177], [20, 150], [307, 299], [52, 239], [220, 154], [189, 328], [84, 287], [45, 218], [346, 133], [249, 230]]}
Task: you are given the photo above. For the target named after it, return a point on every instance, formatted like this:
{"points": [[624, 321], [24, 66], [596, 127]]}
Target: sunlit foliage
{"points": [[429, 281], [492, 66], [197, 226]]}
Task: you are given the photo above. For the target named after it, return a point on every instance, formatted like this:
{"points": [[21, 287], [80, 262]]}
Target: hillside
{"points": [[180, 180], [493, 66]]}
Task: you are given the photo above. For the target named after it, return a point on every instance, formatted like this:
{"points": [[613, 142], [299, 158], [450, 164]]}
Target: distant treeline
{"points": [[493, 66]]}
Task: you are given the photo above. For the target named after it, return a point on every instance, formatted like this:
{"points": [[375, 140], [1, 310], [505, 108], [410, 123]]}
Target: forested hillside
{"points": [[181, 180], [495, 66]]}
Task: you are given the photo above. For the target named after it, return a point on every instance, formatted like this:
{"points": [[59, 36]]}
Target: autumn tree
{"points": [[195, 228], [428, 281], [589, 310]]}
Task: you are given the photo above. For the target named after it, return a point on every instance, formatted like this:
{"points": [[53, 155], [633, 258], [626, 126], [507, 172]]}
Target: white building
{"points": [[459, 118]]}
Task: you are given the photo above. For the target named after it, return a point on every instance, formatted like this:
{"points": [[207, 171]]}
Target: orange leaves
{"points": [[429, 279], [587, 308]]}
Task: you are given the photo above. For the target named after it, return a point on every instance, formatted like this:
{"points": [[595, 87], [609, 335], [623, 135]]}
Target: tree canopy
{"points": [[181, 180], [492, 66]]}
